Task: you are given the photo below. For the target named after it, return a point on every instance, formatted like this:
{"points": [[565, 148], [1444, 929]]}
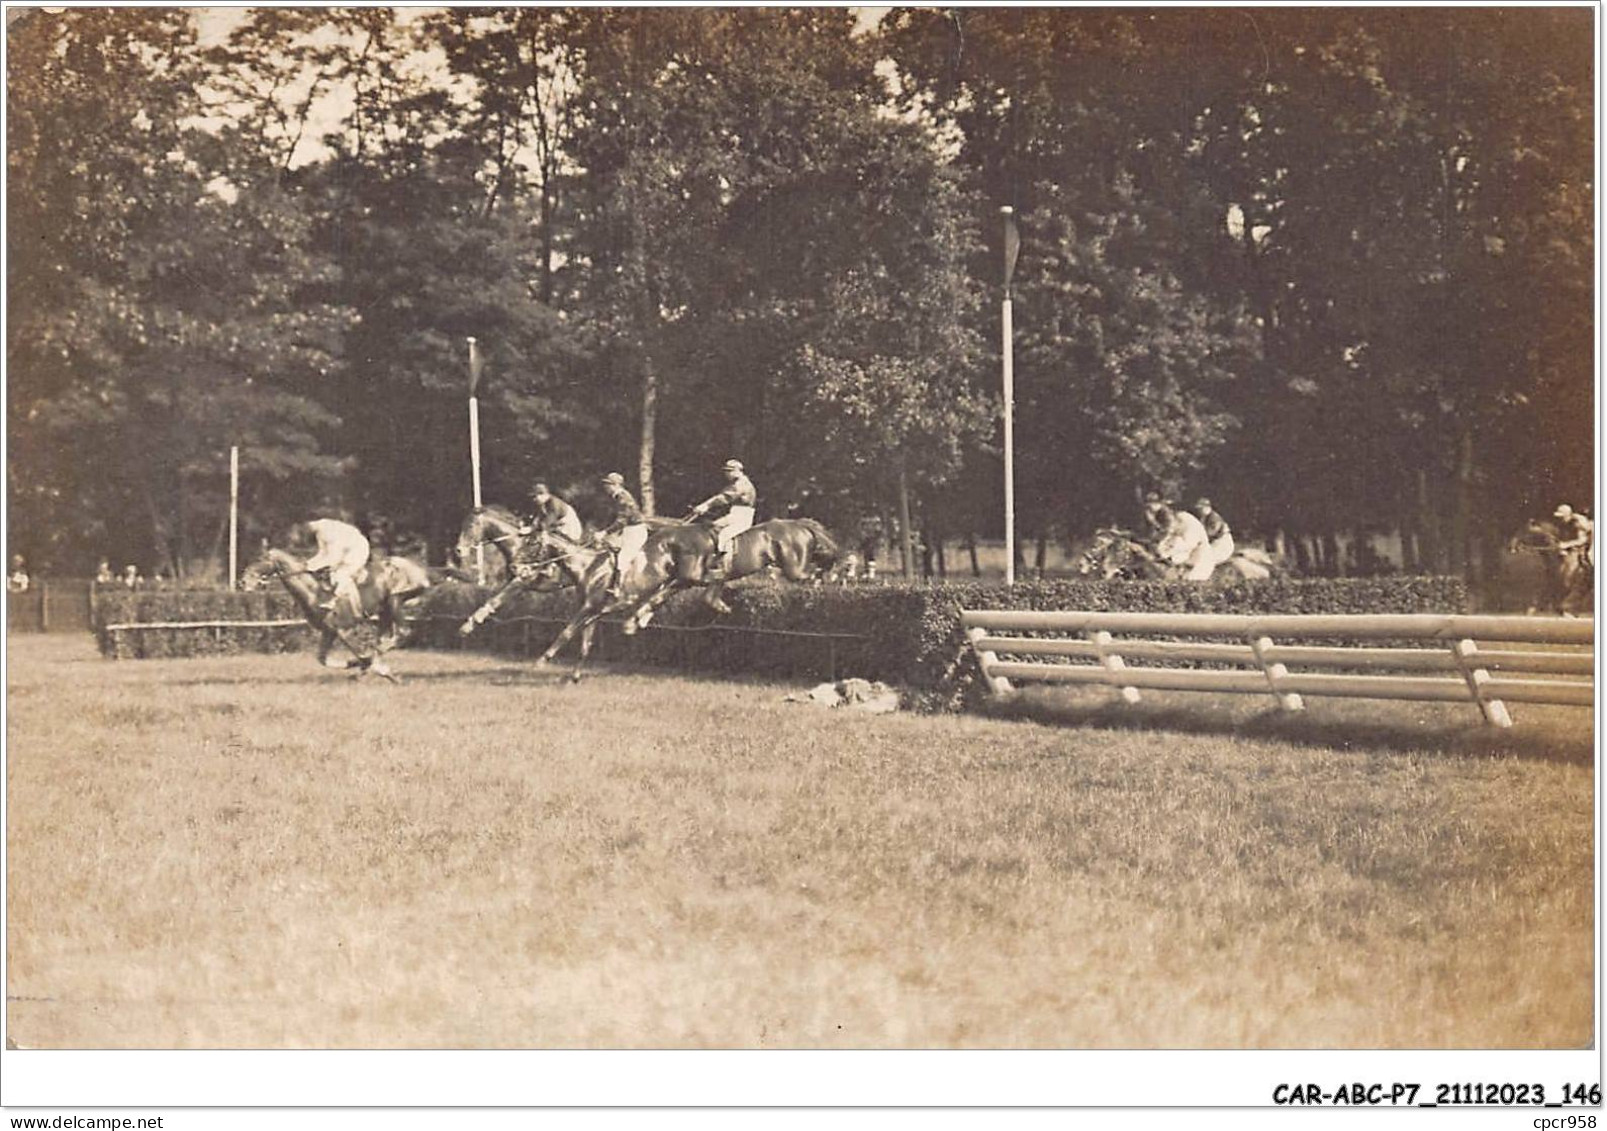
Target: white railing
{"points": [[1476, 651]]}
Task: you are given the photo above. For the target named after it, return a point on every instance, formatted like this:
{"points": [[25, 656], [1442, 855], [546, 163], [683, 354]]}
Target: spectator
{"points": [[104, 574], [131, 577], [17, 579]]}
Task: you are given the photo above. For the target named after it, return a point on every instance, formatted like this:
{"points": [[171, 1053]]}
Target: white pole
{"points": [[1011, 244], [1009, 447], [474, 456], [234, 514]]}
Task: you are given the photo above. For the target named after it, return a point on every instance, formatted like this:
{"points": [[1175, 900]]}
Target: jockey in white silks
{"points": [[738, 498], [343, 551], [1185, 544], [1217, 530], [626, 532]]}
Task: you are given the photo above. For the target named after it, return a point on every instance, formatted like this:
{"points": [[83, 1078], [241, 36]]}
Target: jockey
{"points": [[1216, 530], [342, 550], [1185, 544], [552, 514], [737, 498], [1156, 514], [1576, 532], [626, 532]]}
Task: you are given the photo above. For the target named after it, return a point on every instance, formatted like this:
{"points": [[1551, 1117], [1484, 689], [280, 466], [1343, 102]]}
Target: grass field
{"points": [[253, 852]]}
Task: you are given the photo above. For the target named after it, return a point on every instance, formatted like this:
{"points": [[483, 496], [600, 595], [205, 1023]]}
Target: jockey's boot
{"points": [[614, 593]]}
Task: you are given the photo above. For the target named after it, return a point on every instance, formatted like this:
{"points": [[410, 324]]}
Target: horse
{"points": [[1569, 581], [800, 548], [675, 557], [1113, 553], [494, 526], [538, 566], [386, 589]]}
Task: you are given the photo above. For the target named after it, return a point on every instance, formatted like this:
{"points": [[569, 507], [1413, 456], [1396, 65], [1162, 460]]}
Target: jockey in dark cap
{"points": [[552, 514], [625, 533], [737, 499]]}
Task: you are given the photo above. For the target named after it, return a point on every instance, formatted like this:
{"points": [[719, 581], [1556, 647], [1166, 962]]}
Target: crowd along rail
{"points": [[1485, 660]]}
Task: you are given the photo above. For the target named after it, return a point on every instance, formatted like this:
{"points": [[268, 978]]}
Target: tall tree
{"points": [[158, 313]]}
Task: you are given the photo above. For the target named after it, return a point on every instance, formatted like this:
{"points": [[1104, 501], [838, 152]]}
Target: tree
{"points": [[157, 315]]}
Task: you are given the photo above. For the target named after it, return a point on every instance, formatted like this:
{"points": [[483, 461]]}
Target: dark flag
{"points": [[1012, 245]]}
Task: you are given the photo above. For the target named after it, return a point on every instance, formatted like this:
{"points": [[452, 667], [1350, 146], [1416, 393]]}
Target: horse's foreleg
{"points": [[586, 635], [488, 610], [583, 619], [326, 641], [712, 598], [639, 614]]}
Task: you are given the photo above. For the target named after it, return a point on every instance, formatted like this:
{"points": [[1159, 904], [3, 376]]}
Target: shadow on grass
{"points": [[1551, 734]]}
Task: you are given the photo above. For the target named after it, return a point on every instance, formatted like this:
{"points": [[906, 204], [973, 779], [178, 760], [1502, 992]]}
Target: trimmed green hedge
{"points": [[903, 634], [155, 606]]}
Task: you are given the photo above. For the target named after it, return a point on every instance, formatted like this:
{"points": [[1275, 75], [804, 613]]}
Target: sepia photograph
{"points": [[580, 529]]}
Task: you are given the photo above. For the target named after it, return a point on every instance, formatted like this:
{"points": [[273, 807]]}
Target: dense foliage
{"points": [[1332, 267]]}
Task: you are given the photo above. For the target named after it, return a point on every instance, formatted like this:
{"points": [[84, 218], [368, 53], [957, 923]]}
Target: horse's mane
{"points": [[498, 512]]}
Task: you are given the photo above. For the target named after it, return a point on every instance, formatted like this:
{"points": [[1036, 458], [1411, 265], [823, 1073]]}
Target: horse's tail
{"points": [[824, 553]]}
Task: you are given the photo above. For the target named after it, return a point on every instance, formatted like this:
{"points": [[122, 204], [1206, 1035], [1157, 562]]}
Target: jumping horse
{"points": [[386, 591], [676, 556], [1569, 579], [1116, 553]]}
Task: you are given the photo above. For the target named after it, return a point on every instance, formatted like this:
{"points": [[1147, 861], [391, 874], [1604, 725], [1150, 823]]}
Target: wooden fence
{"points": [[1488, 660], [57, 604]]}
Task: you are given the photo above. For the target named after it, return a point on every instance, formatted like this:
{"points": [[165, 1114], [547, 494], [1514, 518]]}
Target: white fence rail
{"points": [[1477, 654]]}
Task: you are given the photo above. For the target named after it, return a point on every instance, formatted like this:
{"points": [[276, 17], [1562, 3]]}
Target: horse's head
{"points": [[1538, 536], [274, 565], [469, 536]]}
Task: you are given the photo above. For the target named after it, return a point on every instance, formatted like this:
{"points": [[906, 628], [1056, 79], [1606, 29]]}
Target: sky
{"points": [[330, 108]]}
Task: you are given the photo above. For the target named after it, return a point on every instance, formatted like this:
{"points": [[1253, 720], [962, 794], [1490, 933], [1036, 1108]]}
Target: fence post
{"points": [[1112, 662], [985, 660], [1275, 672], [1493, 710], [44, 607]]}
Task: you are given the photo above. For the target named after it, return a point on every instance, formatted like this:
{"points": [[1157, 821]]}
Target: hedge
{"points": [[898, 633], [904, 634], [157, 606]]}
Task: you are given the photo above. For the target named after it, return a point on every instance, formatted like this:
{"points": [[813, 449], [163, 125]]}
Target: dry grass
{"points": [[252, 852]]}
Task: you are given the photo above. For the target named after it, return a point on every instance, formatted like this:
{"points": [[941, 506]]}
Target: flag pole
{"points": [[234, 514], [1012, 246], [474, 447]]}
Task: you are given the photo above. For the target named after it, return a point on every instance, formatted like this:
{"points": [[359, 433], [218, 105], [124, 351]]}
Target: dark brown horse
{"points": [[682, 552], [387, 590], [676, 556], [1569, 578]]}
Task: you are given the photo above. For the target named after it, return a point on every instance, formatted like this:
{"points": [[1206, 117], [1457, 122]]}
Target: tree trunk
{"points": [[644, 461], [1429, 547], [970, 545], [905, 534], [1043, 552], [1462, 510]]}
